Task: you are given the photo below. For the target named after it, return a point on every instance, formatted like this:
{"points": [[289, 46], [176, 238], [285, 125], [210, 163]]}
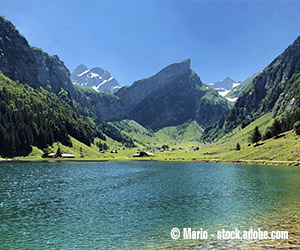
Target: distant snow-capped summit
{"points": [[224, 86], [95, 78]]}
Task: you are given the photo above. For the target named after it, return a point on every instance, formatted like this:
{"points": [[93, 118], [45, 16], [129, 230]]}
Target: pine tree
{"points": [[256, 136], [268, 134], [238, 147], [276, 128]]}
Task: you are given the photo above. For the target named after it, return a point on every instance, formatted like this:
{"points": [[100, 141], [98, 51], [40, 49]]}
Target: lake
{"points": [[134, 205]]}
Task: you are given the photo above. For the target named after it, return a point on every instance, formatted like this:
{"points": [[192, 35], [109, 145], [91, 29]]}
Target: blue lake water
{"points": [[134, 205]]}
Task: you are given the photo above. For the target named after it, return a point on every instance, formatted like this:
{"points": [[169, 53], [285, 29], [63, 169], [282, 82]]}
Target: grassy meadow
{"points": [[185, 145]]}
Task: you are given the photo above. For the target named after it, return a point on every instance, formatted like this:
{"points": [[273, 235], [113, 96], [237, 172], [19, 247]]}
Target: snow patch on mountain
{"points": [[235, 84], [95, 78], [225, 86]]}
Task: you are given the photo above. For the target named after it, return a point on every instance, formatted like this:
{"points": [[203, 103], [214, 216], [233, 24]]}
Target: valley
{"points": [[172, 114]]}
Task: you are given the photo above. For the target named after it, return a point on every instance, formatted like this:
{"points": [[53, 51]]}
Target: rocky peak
{"points": [[226, 84], [99, 71], [269, 91], [53, 74], [174, 70], [79, 69], [171, 97], [142, 88], [95, 78]]}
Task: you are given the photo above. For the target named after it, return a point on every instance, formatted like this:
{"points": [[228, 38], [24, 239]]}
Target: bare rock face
{"points": [[95, 78], [16, 58], [275, 89], [171, 97], [140, 89], [106, 106], [30, 65], [52, 72], [55, 77]]}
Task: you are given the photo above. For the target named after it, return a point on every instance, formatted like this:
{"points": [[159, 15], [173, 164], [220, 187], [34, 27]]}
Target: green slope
{"points": [[34, 117], [286, 147], [173, 135]]}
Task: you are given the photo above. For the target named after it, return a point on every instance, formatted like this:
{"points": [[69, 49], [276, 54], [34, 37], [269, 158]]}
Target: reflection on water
{"points": [[134, 205]]}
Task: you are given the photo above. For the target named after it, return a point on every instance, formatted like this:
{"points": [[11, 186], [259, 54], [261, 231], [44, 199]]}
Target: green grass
{"points": [[284, 150], [185, 134], [241, 136]]}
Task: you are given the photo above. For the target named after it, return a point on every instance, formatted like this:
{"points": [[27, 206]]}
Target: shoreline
{"points": [[180, 159]]}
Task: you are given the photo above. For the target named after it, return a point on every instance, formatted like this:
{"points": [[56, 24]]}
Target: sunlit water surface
{"points": [[134, 205]]}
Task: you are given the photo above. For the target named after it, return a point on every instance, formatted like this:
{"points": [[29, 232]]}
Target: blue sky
{"points": [[135, 39]]}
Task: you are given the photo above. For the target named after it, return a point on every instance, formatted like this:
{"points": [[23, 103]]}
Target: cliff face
{"points": [[106, 107], [139, 90], [55, 77], [276, 89], [28, 65], [171, 97], [53, 74], [16, 57]]}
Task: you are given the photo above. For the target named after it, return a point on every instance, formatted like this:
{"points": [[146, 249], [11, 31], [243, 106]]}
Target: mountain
{"points": [[276, 89], [235, 92], [171, 97], [31, 66], [95, 78], [224, 86]]}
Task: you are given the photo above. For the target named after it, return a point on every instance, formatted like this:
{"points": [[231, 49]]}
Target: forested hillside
{"points": [[36, 117]]}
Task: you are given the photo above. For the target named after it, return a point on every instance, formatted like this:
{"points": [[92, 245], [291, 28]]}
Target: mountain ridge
{"points": [[276, 89], [171, 97]]}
